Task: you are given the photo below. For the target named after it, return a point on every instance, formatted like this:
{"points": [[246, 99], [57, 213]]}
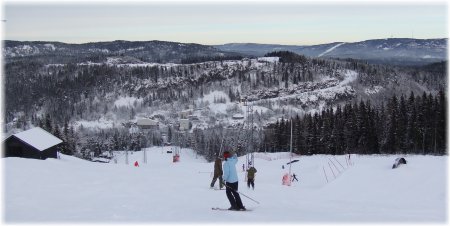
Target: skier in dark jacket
{"points": [[217, 173], [251, 177], [230, 178]]}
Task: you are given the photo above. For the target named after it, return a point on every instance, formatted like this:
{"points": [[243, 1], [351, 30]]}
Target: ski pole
{"points": [[241, 193]]}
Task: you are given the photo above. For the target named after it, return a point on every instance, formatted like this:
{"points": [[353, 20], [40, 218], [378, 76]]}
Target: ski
{"points": [[217, 208], [225, 209]]}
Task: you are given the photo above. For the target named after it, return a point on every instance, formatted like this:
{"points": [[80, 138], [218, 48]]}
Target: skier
{"points": [[294, 177], [251, 177], [230, 178], [217, 173], [136, 164]]}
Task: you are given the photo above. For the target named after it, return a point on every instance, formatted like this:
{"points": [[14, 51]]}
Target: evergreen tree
{"points": [[412, 130], [441, 124], [402, 125], [363, 128], [48, 123], [391, 145]]}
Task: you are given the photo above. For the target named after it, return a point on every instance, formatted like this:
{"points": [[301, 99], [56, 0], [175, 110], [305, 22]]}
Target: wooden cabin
{"points": [[34, 143]]}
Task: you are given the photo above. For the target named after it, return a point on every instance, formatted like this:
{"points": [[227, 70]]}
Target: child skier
{"points": [[251, 177]]}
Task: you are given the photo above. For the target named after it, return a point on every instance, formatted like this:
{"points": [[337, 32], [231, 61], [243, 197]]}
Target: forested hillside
{"points": [[94, 105]]}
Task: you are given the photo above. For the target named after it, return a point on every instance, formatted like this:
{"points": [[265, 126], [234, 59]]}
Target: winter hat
{"points": [[226, 154]]}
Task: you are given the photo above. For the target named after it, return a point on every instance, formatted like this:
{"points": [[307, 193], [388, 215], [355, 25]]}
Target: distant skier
{"points": [[243, 167], [251, 177], [294, 177], [136, 164], [230, 178], [217, 173]]}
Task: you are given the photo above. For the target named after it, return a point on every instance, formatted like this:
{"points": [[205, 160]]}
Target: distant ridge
{"points": [[393, 51], [396, 51]]}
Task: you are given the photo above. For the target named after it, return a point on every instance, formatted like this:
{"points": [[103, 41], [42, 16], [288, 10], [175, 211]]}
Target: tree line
{"points": [[414, 124]]}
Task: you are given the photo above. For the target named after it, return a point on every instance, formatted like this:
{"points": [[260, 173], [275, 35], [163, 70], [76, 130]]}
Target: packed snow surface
{"points": [[331, 189]]}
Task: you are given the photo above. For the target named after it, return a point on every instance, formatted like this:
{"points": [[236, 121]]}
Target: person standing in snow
{"points": [[230, 178], [294, 177], [217, 173], [251, 177]]}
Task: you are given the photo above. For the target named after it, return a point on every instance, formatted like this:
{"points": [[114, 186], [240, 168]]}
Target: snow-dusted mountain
{"points": [[394, 51], [149, 51]]}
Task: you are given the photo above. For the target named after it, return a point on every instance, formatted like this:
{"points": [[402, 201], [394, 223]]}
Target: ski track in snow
{"points": [[330, 49], [71, 190]]}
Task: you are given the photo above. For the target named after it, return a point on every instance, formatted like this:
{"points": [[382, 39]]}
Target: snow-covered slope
{"points": [[70, 190], [330, 49]]}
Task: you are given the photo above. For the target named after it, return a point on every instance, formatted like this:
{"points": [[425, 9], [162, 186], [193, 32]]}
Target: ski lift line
{"points": [[223, 138], [249, 122], [220, 149], [145, 156], [290, 152]]}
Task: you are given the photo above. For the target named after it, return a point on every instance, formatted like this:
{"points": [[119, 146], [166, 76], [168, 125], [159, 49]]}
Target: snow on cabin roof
{"points": [[38, 138], [146, 122]]}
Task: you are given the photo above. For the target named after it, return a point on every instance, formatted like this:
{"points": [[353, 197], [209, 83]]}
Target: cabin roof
{"points": [[38, 138], [146, 122]]}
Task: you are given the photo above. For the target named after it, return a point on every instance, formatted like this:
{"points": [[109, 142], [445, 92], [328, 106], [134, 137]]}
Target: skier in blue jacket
{"points": [[230, 178]]}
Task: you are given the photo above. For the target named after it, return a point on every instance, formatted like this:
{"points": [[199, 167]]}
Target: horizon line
{"points": [[257, 43]]}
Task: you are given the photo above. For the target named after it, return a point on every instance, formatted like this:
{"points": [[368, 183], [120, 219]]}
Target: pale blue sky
{"points": [[219, 23]]}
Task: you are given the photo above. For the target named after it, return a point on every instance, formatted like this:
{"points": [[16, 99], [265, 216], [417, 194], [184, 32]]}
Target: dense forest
{"points": [[405, 125]]}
